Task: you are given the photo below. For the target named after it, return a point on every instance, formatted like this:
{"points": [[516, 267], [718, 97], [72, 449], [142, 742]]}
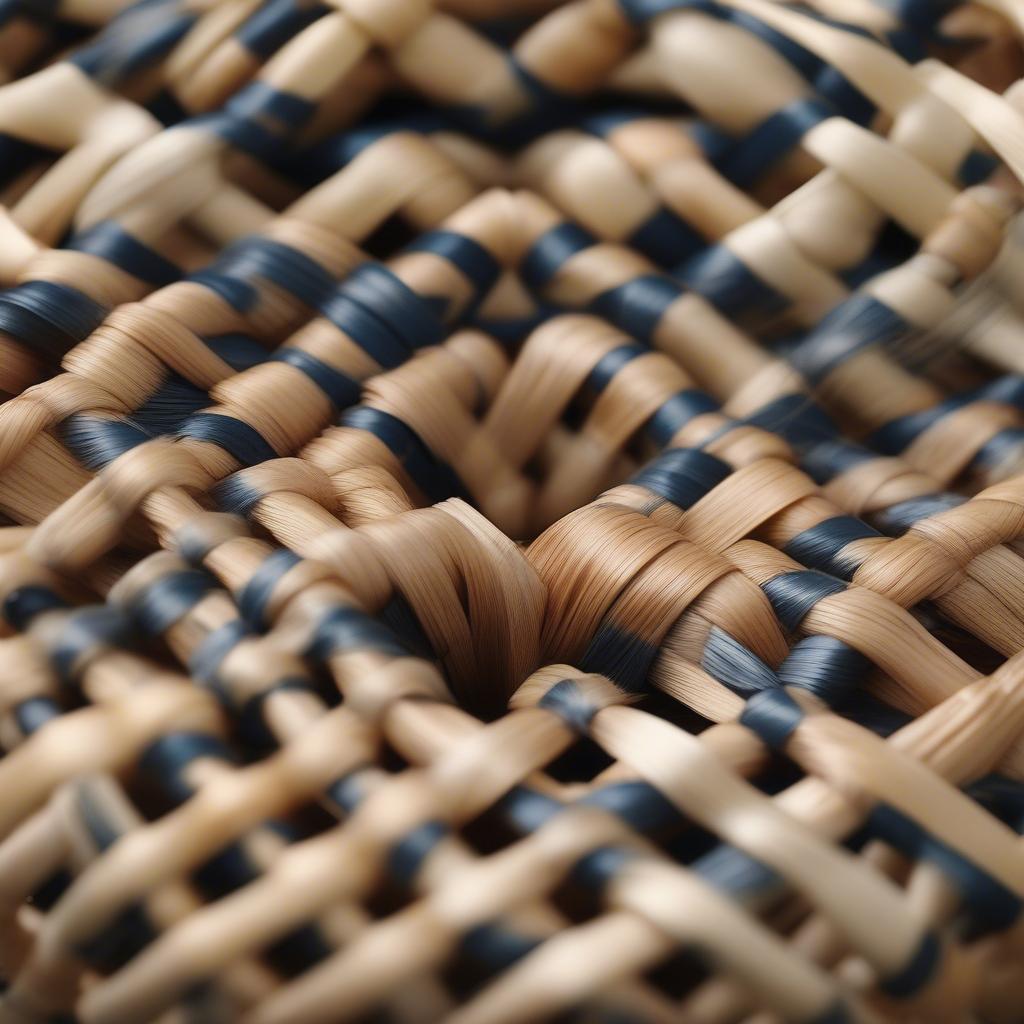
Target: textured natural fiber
{"points": [[513, 510]]}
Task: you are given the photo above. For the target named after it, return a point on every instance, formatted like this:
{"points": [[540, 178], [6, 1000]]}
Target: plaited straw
{"points": [[511, 517]]}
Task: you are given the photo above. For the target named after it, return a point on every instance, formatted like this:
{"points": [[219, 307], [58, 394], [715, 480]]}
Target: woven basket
{"points": [[513, 510]]}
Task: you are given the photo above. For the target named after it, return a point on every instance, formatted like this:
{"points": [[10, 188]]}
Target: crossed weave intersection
{"points": [[514, 511]]}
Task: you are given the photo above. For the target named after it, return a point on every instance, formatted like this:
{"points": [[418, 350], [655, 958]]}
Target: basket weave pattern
{"points": [[513, 510]]}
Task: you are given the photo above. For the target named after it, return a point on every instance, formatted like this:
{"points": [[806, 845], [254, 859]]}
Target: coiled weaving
{"points": [[511, 511]]}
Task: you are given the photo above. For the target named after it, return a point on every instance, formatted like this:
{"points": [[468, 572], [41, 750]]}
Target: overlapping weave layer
{"points": [[513, 511]]}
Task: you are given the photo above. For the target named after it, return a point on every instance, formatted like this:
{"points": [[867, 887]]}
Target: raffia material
{"points": [[514, 511]]}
